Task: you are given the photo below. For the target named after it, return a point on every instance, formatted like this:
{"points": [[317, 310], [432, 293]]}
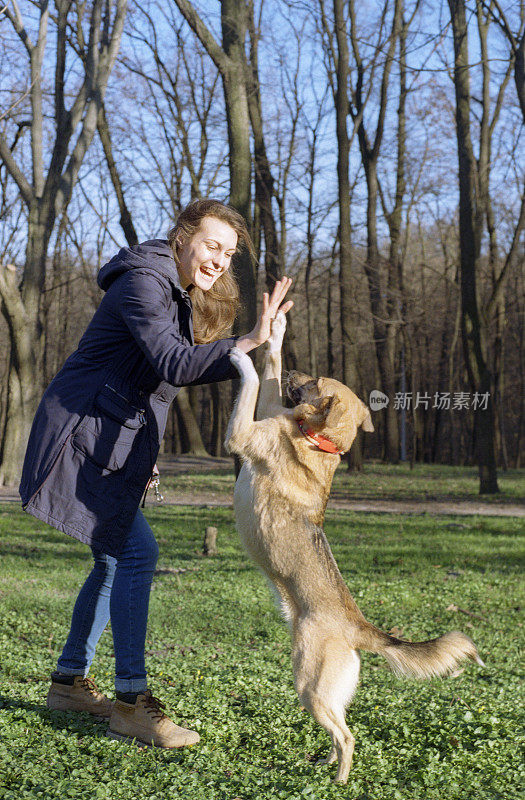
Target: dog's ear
{"points": [[367, 424], [331, 409]]}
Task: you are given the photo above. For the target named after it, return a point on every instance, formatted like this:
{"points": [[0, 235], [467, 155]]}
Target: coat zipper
{"points": [[107, 386]]}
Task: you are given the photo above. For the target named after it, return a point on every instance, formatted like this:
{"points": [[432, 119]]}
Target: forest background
{"points": [[375, 150]]}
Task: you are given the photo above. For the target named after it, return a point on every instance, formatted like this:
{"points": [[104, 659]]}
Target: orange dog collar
{"points": [[321, 442]]}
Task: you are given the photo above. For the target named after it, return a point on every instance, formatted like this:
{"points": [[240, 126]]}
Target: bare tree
{"points": [[230, 59], [126, 220], [474, 214], [514, 32], [264, 181], [98, 29], [178, 87], [370, 143], [338, 58], [181, 96]]}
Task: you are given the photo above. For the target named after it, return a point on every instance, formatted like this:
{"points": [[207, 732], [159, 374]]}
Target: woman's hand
{"points": [[271, 305]]}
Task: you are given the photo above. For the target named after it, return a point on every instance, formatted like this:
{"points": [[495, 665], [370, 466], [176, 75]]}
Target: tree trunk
{"points": [[499, 385], [370, 148], [310, 294], [265, 187], [20, 410], [395, 266], [330, 360], [470, 231], [233, 24], [21, 309], [441, 385], [230, 60], [49, 195], [191, 438], [217, 431], [384, 334], [21, 401], [347, 278]]}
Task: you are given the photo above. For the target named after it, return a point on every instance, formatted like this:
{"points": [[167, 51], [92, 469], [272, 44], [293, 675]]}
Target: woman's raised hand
{"points": [[271, 305]]}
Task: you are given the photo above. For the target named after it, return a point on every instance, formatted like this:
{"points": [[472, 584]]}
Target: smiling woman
{"points": [[207, 255], [97, 433], [203, 241]]}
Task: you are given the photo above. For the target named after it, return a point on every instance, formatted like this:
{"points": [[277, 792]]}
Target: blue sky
{"points": [[282, 51]]}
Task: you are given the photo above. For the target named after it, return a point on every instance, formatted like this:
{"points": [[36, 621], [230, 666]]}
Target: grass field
{"points": [[376, 481], [218, 655]]}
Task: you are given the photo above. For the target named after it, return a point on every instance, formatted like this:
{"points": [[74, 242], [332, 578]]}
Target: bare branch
{"points": [[16, 173], [510, 260], [205, 36], [10, 294], [16, 103], [37, 124], [102, 65], [386, 76], [17, 22]]}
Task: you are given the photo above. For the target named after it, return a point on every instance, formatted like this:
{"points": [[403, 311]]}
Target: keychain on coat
{"points": [[154, 482]]}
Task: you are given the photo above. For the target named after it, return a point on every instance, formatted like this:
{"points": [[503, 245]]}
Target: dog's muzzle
{"points": [[294, 394], [299, 386]]}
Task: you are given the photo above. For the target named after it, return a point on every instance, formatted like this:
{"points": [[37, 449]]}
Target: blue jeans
{"points": [[116, 589]]}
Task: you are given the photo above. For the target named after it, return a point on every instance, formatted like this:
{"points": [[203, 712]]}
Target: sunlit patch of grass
{"points": [[376, 481], [218, 655], [424, 482]]}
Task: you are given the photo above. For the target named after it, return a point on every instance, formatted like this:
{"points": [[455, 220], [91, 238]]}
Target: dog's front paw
{"points": [[275, 341], [243, 364]]}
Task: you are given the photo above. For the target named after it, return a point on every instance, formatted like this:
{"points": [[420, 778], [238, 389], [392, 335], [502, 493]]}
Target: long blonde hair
{"points": [[214, 310]]}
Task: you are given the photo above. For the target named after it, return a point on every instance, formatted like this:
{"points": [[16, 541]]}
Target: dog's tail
{"points": [[428, 659]]}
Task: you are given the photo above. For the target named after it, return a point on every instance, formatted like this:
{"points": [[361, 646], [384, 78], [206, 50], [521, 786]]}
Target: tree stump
{"points": [[209, 547]]}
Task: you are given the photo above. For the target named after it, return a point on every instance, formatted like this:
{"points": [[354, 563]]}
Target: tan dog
{"points": [[289, 459]]}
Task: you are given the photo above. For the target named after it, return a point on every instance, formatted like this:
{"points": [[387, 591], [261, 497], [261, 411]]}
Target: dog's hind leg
{"points": [[343, 741], [327, 672]]}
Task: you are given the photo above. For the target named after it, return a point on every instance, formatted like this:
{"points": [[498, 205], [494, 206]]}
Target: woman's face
{"points": [[204, 257]]}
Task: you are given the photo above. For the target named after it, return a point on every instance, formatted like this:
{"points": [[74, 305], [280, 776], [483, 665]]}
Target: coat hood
{"points": [[155, 254]]}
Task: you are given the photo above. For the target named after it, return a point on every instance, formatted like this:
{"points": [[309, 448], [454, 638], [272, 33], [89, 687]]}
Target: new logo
{"points": [[377, 400]]}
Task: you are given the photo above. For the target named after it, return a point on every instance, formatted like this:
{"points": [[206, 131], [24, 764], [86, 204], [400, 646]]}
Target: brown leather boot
{"points": [[145, 722], [80, 695]]}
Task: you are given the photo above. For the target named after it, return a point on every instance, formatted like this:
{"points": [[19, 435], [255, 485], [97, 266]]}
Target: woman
{"points": [[97, 432]]}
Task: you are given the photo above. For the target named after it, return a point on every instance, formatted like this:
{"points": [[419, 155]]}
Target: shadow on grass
{"points": [[79, 723], [40, 553], [75, 721]]}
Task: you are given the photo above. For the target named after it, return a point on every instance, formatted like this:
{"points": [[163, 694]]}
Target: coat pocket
{"points": [[106, 435]]}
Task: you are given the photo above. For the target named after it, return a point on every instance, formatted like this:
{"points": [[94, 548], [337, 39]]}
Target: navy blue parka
{"points": [[97, 431]]}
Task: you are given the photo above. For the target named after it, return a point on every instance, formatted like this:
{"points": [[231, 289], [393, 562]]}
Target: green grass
{"points": [[219, 658], [376, 481]]}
